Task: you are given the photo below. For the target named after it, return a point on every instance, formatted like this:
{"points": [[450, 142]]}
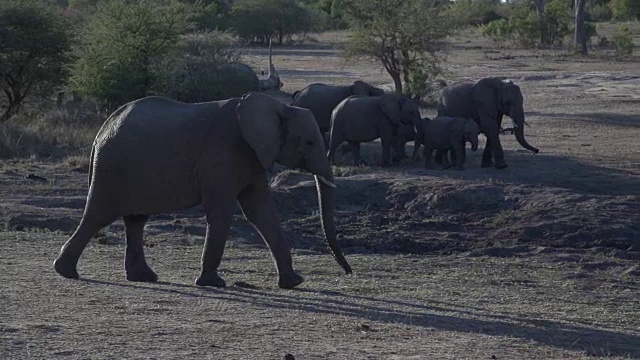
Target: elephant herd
{"points": [[361, 113], [157, 155]]}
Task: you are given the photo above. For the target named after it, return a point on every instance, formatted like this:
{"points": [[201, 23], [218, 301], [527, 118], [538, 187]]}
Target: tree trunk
{"points": [[539, 4], [396, 81], [580, 31]]}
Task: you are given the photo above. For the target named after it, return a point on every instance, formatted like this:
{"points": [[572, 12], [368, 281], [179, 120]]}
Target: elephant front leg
{"points": [[428, 153], [135, 263], [219, 215], [459, 161], [258, 208], [493, 149]]}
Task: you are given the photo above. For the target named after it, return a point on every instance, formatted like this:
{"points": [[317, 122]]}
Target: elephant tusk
{"points": [[325, 181]]}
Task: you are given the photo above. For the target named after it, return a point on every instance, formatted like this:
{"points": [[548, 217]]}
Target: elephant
{"points": [[361, 119], [486, 101], [321, 99], [157, 155], [446, 133]]}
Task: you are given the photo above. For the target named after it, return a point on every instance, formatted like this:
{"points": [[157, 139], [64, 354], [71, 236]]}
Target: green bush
{"points": [[476, 12], [623, 42], [625, 9], [206, 68], [526, 29], [124, 43]]}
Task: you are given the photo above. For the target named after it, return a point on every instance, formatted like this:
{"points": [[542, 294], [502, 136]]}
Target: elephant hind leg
{"points": [[67, 261], [134, 260]]}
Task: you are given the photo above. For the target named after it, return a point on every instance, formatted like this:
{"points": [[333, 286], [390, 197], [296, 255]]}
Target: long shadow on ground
{"points": [[553, 333]]}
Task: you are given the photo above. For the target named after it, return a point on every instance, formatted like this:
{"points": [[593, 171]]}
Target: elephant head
{"points": [[511, 103], [290, 136], [361, 88], [471, 131], [400, 109]]}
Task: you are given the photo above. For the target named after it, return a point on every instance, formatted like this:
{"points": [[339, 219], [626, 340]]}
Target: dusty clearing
{"points": [[541, 260]]}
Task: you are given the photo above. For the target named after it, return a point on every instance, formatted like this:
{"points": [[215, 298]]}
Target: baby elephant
{"points": [[450, 133]]}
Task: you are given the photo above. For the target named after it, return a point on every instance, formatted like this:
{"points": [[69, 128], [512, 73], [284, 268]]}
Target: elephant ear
{"points": [[260, 124], [390, 107]]}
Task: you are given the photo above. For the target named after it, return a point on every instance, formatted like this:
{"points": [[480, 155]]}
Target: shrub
{"points": [[625, 9], [623, 42], [526, 29], [205, 68], [124, 42]]}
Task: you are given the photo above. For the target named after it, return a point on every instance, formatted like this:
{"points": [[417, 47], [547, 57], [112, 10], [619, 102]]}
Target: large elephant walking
{"points": [[158, 155], [321, 99], [360, 119], [486, 101]]}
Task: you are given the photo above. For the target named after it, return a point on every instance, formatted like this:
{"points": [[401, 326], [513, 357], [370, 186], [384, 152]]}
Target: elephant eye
{"points": [[309, 142]]}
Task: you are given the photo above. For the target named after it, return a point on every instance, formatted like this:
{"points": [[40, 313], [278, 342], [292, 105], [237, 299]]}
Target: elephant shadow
{"points": [[528, 169], [444, 316]]}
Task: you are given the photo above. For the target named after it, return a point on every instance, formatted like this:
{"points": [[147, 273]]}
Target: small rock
{"points": [[35, 177], [289, 357]]}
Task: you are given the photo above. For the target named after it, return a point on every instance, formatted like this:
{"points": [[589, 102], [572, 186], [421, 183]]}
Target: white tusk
{"points": [[325, 181]]}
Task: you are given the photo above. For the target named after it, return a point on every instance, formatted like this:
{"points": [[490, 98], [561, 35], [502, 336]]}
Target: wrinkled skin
{"points": [[157, 155], [363, 119], [486, 101], [321, 99], [450, 133]]}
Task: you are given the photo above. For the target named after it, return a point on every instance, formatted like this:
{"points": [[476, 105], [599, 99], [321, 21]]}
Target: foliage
{"points": [[623, 42], [625, 9], [476, 12], [405, 36], [34, 44], [261, 20], [204, 69], [122, 46], [526, 29]]}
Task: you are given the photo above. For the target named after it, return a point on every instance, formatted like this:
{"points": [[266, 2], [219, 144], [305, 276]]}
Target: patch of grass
{"points": [[47, 133]]}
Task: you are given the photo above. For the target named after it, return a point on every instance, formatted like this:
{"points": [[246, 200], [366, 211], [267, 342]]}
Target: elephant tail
{"points": [[440, 108], [90, 178]]}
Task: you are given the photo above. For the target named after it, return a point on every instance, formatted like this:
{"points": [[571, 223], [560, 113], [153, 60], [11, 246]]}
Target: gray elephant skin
{"points": [[486, 101], [446, 133], [360, 119], [157, 155], [321, 99]]}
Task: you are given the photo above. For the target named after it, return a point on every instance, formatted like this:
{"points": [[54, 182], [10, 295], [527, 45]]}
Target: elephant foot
{"points": [[486, 164], [66, 269], [290, 281], [211, 279], [501, 165], [142, 274], [459, 168]]}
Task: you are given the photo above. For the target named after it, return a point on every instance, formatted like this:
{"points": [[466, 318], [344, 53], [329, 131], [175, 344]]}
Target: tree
{"points": [[34, 44], [406, 36], [260, 20], [122, 47], [580, 36]]}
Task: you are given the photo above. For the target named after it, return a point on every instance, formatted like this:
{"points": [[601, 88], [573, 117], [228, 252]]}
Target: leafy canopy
{"points": [[34, 43], [406, 36]]}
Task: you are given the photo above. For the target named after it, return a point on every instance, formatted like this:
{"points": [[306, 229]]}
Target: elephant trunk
{"points": [[327, 203], [519, 132]]}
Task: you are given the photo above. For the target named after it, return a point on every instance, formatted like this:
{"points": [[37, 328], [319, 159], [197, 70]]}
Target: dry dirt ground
{"points": [[540, 260]]}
